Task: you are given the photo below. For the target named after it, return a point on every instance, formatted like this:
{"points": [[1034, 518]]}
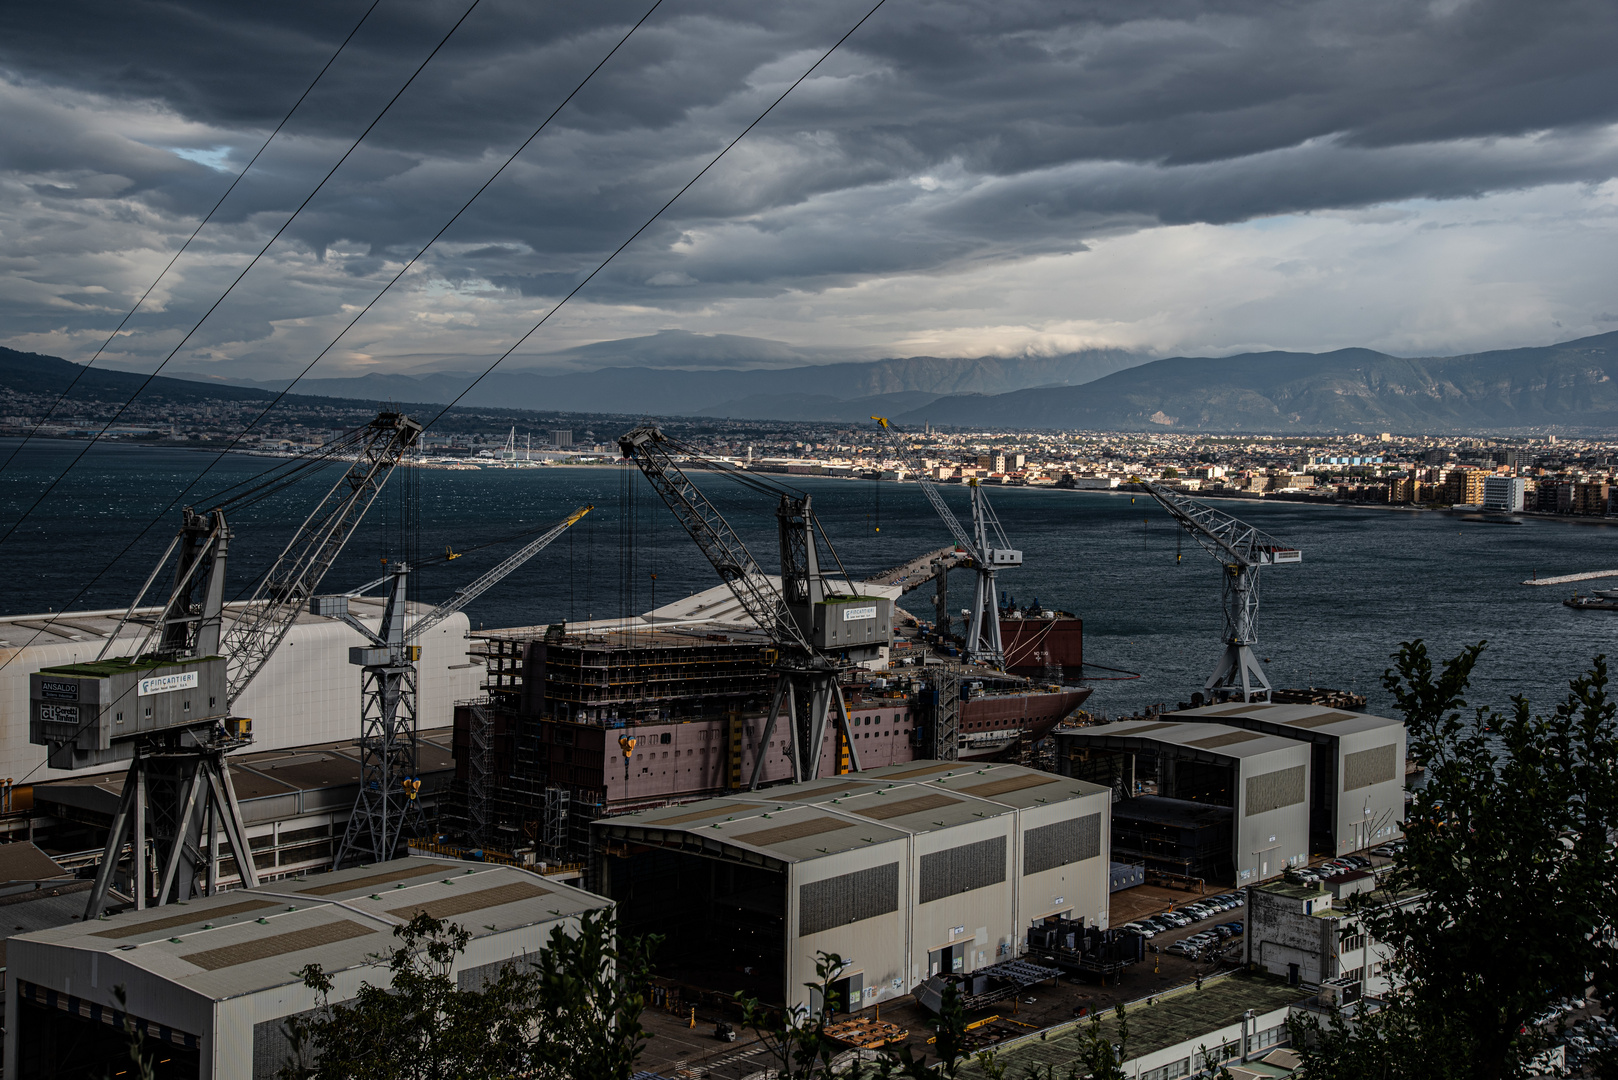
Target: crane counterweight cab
{"points": [[857, 626], [94, 713]]}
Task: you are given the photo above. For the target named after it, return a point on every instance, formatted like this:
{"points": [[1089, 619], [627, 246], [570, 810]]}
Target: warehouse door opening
{"points": [[951, 958], [723, 923], [848, 992], [70, 1045]]}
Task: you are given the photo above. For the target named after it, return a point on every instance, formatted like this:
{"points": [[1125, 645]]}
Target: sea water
{"points": [[1148, 594]]}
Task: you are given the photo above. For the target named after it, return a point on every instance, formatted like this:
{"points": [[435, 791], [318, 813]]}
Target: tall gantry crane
{"points": [[166, 707], [817, 629], [991, 552], [389, 781], [1242, 549]]}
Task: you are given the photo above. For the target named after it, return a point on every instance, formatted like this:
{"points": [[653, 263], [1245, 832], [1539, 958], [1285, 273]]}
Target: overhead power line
{"points": [[237, 281], [649, 221], [236, 440], [185, 246]]}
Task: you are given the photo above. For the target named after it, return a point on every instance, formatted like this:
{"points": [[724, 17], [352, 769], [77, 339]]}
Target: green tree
{"points": [[591, 990], [572, 1014], [419, 1026], [1104, 1058], [1510, 846]]}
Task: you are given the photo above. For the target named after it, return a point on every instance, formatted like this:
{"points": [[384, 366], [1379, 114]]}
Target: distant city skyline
{"points": [[959, 179]]}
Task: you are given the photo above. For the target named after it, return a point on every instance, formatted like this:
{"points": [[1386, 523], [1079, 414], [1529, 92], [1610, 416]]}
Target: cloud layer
{"points": [[959, 178]]}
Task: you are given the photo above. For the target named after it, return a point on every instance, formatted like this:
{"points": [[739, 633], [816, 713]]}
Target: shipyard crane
{"points": [[1242, 549], [990, 552], [389, 783], [817, 630], [166, 707]]}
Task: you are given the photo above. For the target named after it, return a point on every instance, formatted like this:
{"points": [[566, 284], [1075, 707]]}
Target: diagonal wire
{"points": [[231, 288], [603, 265], [423, 251], [649, 221], [284, 391], [183, 247]]}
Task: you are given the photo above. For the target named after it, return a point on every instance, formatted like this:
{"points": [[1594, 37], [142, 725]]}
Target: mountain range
{"points": [[849, 390], [1569, 386]]}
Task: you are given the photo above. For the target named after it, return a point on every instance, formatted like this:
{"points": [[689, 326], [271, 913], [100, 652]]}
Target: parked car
{"points": [[1139, 928], [1235, 926], [1360, 862], [1186, 949]]}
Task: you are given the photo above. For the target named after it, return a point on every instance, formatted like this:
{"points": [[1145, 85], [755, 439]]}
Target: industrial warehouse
{"points": [[1231, 805], [213, 982], [906, 871]]}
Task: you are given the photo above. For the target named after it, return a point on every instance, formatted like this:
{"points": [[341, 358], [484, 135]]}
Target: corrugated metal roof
{"points": [[371, 881], [312, 937], [247, 940], [901, 807], [450, 906], [792, 830], [882, 805]]}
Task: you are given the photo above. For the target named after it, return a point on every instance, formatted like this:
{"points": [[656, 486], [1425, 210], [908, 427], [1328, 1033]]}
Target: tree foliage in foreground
{"points": [[1511, 845], [571, 1014]]}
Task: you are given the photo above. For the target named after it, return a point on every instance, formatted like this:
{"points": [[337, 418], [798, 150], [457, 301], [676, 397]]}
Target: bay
{"points": [[1149, 596]]}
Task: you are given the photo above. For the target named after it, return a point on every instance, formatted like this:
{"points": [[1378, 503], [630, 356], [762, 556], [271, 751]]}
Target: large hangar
{"points": [[211, 983], [1204, 771], [1356, 797], [905, 871]]}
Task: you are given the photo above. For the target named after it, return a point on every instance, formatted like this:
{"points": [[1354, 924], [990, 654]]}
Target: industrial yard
{"points": [[791, 763]]}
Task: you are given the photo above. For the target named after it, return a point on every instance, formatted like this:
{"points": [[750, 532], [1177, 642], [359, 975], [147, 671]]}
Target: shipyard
{"points": [[674, 540], [798, 760]]}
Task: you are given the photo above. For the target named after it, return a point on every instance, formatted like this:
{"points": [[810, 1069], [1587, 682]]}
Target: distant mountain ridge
{"points": [[834, 391], [1572, 385]]}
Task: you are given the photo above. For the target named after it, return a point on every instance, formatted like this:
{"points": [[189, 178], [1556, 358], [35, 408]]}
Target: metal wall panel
{"points": [[962, 869], [847, 898], [1366, 767], [1061, 843], [1273, 790]]}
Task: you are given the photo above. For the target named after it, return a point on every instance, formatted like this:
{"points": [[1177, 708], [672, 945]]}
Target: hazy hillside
{"points": [[757, 393], [1569, 385], [36, 373]]}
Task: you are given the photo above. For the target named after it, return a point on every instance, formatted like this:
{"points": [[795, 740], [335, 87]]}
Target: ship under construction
{"points": [[588, 720], [766, 678]]}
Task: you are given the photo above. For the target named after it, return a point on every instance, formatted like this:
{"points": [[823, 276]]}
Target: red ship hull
{"points": [[1035, 646], [992, 725]]}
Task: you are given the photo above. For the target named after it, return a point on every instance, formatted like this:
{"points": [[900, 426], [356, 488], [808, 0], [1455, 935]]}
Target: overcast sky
{"points": [[960, 178]]}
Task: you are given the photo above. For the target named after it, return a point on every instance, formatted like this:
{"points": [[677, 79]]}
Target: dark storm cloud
{"points": [[944, 133]]}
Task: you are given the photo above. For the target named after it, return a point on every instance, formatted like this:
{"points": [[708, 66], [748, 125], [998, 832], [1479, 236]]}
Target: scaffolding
{"points": [[602, 677], [556, 834], [479, 767], [945, 728]]}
